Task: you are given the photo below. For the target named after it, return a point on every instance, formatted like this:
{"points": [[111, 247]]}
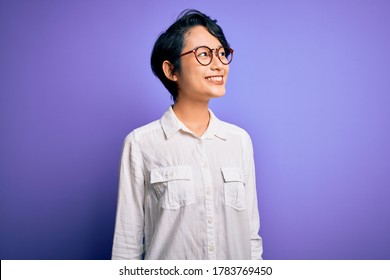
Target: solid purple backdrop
{"points": [[310, 82]]}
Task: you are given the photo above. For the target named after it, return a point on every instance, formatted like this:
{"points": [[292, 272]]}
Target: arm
{"points": [[129, 226], [253, 212]]}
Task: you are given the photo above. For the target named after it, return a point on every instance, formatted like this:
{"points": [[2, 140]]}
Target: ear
{"points": [[168, 71]]}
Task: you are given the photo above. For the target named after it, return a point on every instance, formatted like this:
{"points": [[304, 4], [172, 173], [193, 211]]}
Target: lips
{"points": [[215, 79]]}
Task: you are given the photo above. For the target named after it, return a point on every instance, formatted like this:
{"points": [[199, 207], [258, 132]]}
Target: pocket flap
{"points": [[165, 174], [232, 175]]}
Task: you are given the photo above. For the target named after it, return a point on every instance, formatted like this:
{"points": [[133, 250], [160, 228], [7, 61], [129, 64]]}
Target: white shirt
{"points": [[187, 197]]}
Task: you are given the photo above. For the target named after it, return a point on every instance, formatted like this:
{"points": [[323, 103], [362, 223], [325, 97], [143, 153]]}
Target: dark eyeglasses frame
{"points": [[212, 54]]}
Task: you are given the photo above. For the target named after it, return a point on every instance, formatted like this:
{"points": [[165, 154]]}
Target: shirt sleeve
{"points": [[256, 240], [129, 225]]}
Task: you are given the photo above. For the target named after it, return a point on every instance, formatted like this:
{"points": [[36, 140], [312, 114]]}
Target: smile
{"points": [[215, 79]]}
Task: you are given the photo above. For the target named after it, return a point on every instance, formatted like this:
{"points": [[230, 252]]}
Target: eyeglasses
{"points": [[204, 55]]}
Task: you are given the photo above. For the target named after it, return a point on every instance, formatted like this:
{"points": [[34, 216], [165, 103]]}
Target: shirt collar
{"points": [[171, 124]]}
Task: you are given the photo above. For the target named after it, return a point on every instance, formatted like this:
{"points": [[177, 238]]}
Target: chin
{"points": [[217, 93], [220, 95]]}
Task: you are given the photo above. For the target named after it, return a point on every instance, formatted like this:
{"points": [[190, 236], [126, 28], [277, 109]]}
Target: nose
{"points": [[216, 64]]}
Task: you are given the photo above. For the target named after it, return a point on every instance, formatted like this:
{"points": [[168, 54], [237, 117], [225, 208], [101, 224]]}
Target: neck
{"points": [[195, 116]]}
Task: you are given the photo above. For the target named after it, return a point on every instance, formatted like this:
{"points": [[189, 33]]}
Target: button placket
{"points": [[209, 203]]}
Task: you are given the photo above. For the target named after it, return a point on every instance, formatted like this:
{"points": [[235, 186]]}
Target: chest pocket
{"points": [[173, 186], [234, 188]]}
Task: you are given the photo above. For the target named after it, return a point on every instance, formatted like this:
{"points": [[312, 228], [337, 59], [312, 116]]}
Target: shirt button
{"points": [[208, 192], [211, 248], [210, 221], [204, 164]]}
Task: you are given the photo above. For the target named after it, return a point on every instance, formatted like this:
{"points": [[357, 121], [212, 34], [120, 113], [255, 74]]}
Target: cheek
{"points": [[195, 76], [227, 71], [190, 79]]}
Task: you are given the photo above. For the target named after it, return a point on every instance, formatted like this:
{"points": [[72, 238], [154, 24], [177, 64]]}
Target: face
{"points": [[195, 81]]}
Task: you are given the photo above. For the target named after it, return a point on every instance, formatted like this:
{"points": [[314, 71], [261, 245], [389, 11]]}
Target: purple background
{"points": [[310, 82]]}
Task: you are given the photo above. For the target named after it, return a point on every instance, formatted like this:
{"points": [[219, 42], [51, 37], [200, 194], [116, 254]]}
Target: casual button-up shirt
{"points": [[182, 196]]}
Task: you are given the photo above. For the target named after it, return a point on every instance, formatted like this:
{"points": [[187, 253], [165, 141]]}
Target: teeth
{"points": [[215, 79]]}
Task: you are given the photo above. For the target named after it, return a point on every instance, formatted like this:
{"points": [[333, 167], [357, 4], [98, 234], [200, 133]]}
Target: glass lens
{"points": [[203, 55], [225, 55]]}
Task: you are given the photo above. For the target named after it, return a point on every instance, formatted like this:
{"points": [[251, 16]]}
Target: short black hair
{"points": [[169, 44]]}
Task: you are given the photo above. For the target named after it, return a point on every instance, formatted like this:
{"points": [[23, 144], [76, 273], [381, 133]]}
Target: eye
{"points": [[222, 53], [203, 54]]}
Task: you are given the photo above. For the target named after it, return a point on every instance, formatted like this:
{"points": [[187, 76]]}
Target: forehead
{"points": [[199, 36]]}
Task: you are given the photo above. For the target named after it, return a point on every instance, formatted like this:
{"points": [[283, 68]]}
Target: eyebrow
{"points": [[208, 47]]}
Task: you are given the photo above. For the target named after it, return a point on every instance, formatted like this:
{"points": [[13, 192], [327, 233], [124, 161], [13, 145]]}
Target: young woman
{"points": [[187, 185]]}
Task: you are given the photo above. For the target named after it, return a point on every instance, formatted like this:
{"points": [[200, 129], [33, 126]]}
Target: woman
{"points": [[187, 185]]}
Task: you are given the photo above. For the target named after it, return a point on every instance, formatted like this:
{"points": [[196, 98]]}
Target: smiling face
{"points": [[196, 82]]}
